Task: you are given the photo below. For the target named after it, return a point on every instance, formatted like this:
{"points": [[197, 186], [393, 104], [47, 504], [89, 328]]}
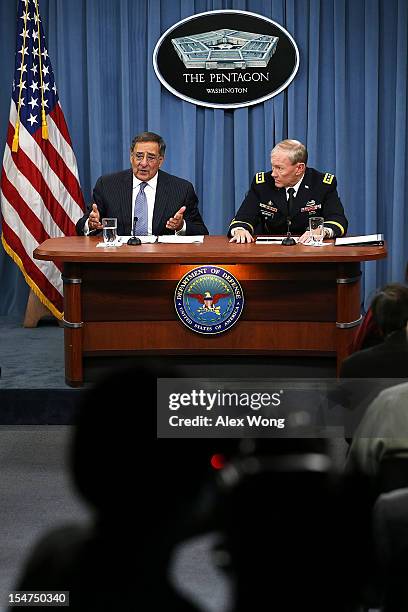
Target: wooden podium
{"points": [[120, 301]]}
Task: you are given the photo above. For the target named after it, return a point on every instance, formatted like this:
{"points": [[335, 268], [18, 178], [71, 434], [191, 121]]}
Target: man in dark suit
{"points": [[290, 190], [384, 365], [390, 358], [144, 198]]}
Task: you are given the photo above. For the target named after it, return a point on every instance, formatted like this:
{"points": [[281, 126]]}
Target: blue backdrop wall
{"points": [[348, 104]]}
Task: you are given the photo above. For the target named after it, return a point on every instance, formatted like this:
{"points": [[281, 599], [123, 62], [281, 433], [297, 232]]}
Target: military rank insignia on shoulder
{"points": [[259, 177], [328, 178]]}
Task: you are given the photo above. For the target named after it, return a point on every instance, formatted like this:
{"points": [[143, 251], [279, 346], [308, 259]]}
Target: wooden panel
{"points": [[154, 300], [129, 300], [300, 300], [244, 337], [267, 271]]}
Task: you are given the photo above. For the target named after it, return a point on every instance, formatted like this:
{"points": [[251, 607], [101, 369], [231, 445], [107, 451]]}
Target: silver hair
{"points": [[295, 150]]}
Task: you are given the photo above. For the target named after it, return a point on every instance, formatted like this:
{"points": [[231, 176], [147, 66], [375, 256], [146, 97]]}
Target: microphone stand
{"points": [[134, 240], [288, 241]]}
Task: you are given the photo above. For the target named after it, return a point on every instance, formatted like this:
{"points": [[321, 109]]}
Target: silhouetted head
{"points": [[113, 448], [117, 460], [390, 308]]}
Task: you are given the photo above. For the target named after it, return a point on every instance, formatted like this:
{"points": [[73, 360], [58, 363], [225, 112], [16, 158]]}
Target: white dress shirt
{"points": [[150, 192], [295, 187]]}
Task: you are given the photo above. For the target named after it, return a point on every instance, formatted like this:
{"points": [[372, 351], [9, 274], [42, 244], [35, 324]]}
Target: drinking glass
{"points": [[110, 227], [316, 229]]}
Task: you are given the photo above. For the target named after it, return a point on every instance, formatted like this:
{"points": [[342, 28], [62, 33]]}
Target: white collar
{"points": [[295, 187], [152, 182]]}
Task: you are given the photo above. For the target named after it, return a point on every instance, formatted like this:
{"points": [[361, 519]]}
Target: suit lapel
{"points": [[125, 203], [162, 197]]}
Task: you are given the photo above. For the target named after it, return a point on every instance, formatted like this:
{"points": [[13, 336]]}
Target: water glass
{"points": [[110, 229], [316, 229]]}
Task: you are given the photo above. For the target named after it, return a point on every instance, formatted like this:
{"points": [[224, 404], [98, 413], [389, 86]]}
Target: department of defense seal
{"points": [[209, 300]]}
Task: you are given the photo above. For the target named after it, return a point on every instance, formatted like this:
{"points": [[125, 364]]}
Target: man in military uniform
{"points": [[290, 192]]}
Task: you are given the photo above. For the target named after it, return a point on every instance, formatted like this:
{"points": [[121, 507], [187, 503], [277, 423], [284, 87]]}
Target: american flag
{"points": [[40, 192]]}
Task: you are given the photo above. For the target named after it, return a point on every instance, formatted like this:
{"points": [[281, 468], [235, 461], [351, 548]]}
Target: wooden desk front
{"points": [[120, 301]]}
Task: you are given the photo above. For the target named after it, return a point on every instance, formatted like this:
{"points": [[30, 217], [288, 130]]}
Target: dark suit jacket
{"points": [[386, 360], [101, 570], [375, 369], [113, 196], [317, 197]]}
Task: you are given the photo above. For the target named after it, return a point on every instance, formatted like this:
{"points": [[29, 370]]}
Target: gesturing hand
{"points": [[94, 219], [176, 223]]}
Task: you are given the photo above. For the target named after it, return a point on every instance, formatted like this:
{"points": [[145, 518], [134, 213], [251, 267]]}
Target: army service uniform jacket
{"points": [[265, 208]]}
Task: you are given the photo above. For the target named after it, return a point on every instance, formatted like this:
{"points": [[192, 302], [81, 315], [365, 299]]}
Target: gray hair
{"points": [[295, 150]]}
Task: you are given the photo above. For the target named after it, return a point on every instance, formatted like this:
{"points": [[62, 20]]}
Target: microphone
{"points": [[289, 241], [134, 240]]}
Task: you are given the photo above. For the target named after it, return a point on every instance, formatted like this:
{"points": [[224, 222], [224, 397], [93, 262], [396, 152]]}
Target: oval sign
{"points": [[226, 59], [209, 300]]}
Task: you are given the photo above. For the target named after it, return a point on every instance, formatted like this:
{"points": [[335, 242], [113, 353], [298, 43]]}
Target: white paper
{"points": [[359, 239], [143, 239], [318, 245], [121, 240], [180, 239], [110, 245], [272, 239]]}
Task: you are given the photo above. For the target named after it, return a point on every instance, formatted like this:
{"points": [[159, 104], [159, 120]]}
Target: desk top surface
{"points": [[214, 249]]}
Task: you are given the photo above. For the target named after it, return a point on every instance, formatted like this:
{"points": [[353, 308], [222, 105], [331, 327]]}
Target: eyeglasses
{"points": [[150, 157]]}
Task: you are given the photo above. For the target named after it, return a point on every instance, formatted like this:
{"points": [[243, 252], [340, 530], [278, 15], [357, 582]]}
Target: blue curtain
{"points": [[348, 104]]}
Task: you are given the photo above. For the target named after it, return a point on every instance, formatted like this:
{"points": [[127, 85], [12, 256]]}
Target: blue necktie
{"points": [[140, 219]]}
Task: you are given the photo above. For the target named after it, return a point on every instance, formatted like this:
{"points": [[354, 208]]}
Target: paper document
{"points": [[180, 239], [373, 239], [272, 239], [121, 240], [144, 239], [110, 245]]}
